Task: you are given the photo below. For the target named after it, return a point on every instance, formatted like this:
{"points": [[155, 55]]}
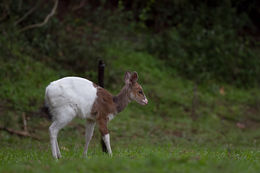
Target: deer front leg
{"points": [[102, 122], [106, 139]]}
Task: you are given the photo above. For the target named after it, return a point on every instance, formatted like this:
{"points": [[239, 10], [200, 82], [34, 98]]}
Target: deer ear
{"points": [[134, 77], [127, 77]]}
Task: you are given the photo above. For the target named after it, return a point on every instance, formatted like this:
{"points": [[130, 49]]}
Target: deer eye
{"points": [[140, 92]]}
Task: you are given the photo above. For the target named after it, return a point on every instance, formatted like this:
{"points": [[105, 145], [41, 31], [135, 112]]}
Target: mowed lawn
{"points": [[25, 155], [155, 145]]}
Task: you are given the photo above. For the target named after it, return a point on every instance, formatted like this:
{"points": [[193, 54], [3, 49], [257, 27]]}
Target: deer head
{"points": [[135, 90]]}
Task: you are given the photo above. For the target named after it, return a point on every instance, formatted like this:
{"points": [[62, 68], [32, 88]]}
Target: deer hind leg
{"points": [[53, 139], [90, 125], [62, 118]]}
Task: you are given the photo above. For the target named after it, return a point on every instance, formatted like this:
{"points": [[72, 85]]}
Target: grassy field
{"points": [[160, 137], [140, 144], [31, 156]]}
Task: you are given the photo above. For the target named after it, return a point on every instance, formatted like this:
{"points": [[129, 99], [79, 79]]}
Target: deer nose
{"points": [[145, 101]]}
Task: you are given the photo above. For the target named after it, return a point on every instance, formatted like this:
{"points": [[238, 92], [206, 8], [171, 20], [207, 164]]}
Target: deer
{"points": [[71, 97]]}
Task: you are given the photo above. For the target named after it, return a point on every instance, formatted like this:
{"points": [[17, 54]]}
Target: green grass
{"points": [[140, 144], [159, 137], [36, 157]]}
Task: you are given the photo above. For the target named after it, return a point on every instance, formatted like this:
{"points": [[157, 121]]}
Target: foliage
{"points": [[208, 47], [203, 41], [182, 50], [23, 79]]}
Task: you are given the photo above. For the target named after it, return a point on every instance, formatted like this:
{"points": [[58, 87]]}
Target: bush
{"points": [[208, 48]]}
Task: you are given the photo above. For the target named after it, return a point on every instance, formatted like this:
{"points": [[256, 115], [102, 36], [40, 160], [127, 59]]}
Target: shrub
{"points": [[208, 47]]}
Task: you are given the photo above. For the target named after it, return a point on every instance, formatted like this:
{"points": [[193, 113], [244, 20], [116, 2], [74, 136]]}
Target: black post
{"points": [[101, 70]]}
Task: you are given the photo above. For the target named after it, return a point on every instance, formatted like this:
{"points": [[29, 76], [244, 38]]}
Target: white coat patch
{"points": [[111, 116], [106, 139], [75, 92]]}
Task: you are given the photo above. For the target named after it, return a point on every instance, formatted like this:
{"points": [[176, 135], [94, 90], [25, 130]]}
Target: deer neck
{"points": [[122, 99]]}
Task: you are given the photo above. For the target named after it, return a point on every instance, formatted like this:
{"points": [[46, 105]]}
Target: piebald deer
{"points": [[69, 97]]}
